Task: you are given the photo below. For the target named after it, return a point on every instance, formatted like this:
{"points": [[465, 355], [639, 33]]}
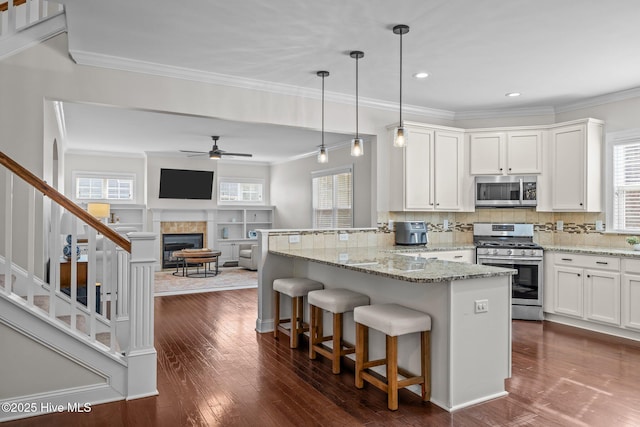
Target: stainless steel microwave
{"points": [[506, 191]]}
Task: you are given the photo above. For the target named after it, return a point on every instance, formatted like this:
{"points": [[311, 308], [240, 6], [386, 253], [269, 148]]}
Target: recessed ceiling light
{"points": [[512, 94], [421, 75]]}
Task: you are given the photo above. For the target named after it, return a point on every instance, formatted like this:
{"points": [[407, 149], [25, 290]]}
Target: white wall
{"points": [[291, 187]]}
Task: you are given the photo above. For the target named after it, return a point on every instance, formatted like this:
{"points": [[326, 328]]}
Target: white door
{"points": [[485, 153], [417, 171], [568, 168], [602, 301], [447, 168], [524, 152], [568, 291]]}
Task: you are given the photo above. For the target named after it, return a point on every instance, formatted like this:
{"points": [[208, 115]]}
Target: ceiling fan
{"points": [[215, 152]]}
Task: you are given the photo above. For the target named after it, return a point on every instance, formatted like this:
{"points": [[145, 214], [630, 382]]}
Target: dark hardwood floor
{"points": [[214, 369]]}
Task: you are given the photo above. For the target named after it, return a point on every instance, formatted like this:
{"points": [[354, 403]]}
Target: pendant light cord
{"points": [[323, 111], [356, 97], [401, 79]]}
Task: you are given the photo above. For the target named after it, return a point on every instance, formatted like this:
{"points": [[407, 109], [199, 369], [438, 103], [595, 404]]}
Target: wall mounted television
{"points": [[185, 184]]}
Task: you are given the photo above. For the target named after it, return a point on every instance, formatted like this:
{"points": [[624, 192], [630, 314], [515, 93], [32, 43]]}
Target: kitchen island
{"points": [[470, 348]]}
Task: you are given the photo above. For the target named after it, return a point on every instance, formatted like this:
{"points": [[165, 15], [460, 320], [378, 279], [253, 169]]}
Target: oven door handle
{"points": [[528, 261]]}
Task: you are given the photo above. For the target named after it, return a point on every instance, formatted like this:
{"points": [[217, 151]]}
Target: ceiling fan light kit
{"points": [[357, 144], [400, 134], [323, 154]]}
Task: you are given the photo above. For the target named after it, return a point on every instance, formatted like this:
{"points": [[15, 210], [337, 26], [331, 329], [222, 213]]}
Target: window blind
{"points": [[626, 183], [333, 198]]}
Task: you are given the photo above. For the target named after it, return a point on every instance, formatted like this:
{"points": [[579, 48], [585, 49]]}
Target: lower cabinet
{"points": [[631, 294], [590, 288], [461, 255], [230, 251]]}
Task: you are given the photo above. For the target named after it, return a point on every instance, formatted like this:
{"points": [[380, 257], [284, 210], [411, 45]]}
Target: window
{"points": [[333, 198], [240, 190], [103, 186], [626, 186]]}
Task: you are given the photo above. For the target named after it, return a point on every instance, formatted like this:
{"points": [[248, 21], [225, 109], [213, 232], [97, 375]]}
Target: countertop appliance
{"points": [[506, 191], [411, 233], [512, 246]]}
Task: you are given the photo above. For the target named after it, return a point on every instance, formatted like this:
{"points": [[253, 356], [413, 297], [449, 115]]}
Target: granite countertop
{"points": [[593, 250], [431, 247], [383, 262]]}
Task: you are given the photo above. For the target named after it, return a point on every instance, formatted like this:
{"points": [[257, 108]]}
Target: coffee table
{"points": [[196, 258]]}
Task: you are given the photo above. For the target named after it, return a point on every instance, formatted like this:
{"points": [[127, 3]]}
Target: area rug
{"points": [[228, 278]]}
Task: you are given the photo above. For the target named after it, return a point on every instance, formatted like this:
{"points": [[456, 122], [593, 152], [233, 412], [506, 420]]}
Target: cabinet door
{"points": [[568, 291], [631, 301], [418, 164], [229, 251], [602, 302], [524, 152], [447, 167], [485, 153], [568, 145]]}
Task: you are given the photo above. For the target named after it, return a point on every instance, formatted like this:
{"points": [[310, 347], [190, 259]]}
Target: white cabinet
{"points": [[229, 251], [576, 166], [630, 297], [433, 169], [505, 153], [587, 287]]}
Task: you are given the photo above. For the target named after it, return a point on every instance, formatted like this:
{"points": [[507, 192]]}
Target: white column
{"points": [[141, 357]]}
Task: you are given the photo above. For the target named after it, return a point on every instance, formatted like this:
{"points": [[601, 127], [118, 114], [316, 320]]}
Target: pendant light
{"points": [[323, 154], [357, 144], [401, 136]]}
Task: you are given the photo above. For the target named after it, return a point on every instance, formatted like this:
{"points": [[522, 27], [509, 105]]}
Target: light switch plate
{"points": [[344, 237], [445, 224], [599, 226], [559, 225], [294, 238]]}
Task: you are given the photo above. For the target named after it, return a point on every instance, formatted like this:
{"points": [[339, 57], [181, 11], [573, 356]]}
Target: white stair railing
{"points": [[17, 15], [117, 273]]}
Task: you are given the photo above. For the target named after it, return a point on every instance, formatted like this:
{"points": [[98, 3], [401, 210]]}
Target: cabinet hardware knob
{"points": [[500, 168], [580, 204], [588, 275], [509, 168], [578, 274]]}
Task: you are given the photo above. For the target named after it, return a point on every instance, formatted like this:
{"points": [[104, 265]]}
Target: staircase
{"points": [[24, 23], [82, 337]]}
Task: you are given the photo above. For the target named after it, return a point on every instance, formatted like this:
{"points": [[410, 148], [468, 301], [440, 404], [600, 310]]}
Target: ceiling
{"points": [[556, 53]]}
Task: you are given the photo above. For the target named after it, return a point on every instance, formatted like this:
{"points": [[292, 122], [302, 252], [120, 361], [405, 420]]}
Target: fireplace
{"points": [[176, 242]]}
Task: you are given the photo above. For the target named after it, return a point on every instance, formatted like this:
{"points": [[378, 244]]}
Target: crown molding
{"points": [[136, 66], [104, 153], [599, 100], [505, 112]]}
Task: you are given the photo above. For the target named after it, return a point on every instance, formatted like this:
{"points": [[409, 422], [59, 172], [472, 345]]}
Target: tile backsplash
{"points": [[579, 229]]}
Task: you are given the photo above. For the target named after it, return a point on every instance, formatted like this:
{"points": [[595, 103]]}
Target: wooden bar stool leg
{"points": [[293, 342], [392, 372], [276, 313], [362, 342], [337, 342], [426, 365], [313, 330]]}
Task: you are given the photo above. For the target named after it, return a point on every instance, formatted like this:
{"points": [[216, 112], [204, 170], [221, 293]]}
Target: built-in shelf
{"points": [[233, 226]]}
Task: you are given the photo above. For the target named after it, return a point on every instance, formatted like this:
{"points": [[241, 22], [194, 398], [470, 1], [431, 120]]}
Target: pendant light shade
{"points": [[400, 138], [323, 154], [357, 144]]}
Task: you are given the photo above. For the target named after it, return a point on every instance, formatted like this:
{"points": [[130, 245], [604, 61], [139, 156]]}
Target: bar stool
{"points": [[393, 320], [297, 288], [338, 302]]}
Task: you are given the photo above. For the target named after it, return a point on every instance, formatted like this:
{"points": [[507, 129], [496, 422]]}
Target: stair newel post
{"points": [[122, 300], [8, 236], [141, 354]]}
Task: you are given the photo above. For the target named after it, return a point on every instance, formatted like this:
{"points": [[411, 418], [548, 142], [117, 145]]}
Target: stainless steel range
{"points": [[512, 246]]}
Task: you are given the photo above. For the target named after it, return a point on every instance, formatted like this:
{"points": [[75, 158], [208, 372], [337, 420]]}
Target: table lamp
{"points": [[99, 210]]}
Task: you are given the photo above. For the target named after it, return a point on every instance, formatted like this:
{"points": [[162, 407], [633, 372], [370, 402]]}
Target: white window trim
{"points": [[326, 172], [104, 175], [242, 202], [612, 139]]}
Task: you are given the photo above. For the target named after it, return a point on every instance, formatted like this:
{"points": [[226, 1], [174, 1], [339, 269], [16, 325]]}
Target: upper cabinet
{"points": [[505, 153], [576, 169], [433, 169]]}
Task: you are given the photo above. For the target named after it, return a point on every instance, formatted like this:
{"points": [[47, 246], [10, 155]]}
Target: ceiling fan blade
{"points": [[236, 154], [189, 151]]}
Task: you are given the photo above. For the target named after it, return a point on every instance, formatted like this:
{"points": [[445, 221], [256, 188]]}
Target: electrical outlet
{"points": [[294, 238], [482, 306], [344, 237], [445, 224], [599, 226], [559, 225]]}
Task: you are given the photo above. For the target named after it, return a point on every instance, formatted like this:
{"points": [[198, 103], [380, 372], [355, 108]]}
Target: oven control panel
{"points": [[506, 252]]}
